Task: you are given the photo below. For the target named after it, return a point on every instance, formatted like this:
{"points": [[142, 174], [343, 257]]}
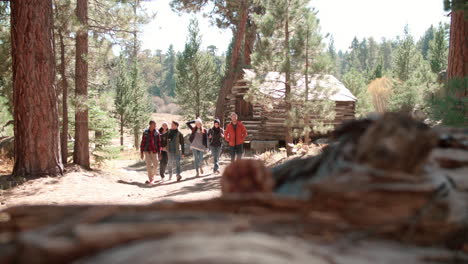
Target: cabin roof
{"points": [[320, 86]]}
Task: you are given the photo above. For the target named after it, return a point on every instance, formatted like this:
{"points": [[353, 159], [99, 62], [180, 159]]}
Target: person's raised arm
{"points": [[189, 124]]}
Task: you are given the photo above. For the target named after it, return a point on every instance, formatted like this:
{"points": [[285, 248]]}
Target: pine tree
{"points": [[237, 15], [458, 50], [404, 58], [197, 78], [169, 82], [438, 50], [357, 84], [140, 107], [290, 45], [81, 148], [423, 43], [37, 151], [123, 97]]}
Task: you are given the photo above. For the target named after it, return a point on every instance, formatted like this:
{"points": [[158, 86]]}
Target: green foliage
{"points": [[357, 84], [169, 82], [6, 88], [405, 57], [451, 108], [123, 96], [197, 77], [296, 52], [423, 43], [104, 127], [438, 50], [141, 106], [5, 116]]}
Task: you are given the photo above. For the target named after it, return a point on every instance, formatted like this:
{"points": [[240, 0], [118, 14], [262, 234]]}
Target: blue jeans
{"points": [[236, 150], [198, 158], [216, 152], [174, 159]]}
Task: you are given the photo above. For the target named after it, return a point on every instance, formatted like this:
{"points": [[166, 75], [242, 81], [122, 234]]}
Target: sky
{"points": [[343, 19]]}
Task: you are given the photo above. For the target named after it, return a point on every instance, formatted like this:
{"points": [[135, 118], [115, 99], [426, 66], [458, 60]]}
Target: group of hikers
{"points": [[165, 147]]}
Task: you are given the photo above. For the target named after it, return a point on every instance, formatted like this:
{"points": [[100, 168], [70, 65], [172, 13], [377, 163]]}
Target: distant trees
{"points": [[197, 78], [237, 15], [169, 83], [37, 149]]}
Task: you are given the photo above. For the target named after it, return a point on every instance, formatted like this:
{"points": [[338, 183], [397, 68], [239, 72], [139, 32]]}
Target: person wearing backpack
{"points": [[198, 143], [215, 137], [150, 149]]}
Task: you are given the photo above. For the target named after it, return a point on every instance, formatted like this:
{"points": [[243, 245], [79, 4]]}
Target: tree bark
{"points": [[458, 50], [249, 43], [306, 96], [121, 130], [81, 150], [136, 135], [233, 71], [64, 84], [37, 149], [288, 134]]}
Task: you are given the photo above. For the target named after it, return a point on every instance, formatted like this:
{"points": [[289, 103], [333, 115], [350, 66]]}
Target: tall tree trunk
{"points": [[288, 134], [37, 149], [64, 84], [249, 43], [233, 71], [306, 96], [121, 130], [81, 150], [136, 135], [458, 50]]}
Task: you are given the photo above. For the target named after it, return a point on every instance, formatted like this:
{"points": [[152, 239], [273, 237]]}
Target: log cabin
{"points": [[266, 124]]}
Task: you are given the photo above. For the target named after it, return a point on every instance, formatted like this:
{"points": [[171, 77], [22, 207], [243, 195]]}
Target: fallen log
{"points": [[387, 190]]}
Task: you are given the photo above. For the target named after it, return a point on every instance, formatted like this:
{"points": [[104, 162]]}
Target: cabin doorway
{"points": [[244, 109]]}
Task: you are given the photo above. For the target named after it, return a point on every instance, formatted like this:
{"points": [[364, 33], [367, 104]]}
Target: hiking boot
{"points": [[162, 176], [179, 177], [201, 170]]}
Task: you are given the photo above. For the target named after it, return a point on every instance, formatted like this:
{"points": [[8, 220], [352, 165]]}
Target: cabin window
{"points": [[244, 109]]}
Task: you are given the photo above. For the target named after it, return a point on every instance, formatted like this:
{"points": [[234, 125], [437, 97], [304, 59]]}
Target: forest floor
{"points": [[120, 181], [117, 181]]}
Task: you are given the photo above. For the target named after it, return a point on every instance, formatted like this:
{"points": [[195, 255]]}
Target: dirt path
{"points": [[121, 182]]}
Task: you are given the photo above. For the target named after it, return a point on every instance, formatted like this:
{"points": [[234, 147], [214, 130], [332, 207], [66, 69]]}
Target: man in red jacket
{"points": [[235, 134]]}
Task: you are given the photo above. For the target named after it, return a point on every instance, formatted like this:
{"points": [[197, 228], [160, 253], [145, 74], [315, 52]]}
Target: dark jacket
{"points": [[194, 130], [164, 139], [175, 137], [217, 134]]}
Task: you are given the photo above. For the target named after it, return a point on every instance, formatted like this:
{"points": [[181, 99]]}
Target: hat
{"points": [[217, 121], [198, 120]]}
